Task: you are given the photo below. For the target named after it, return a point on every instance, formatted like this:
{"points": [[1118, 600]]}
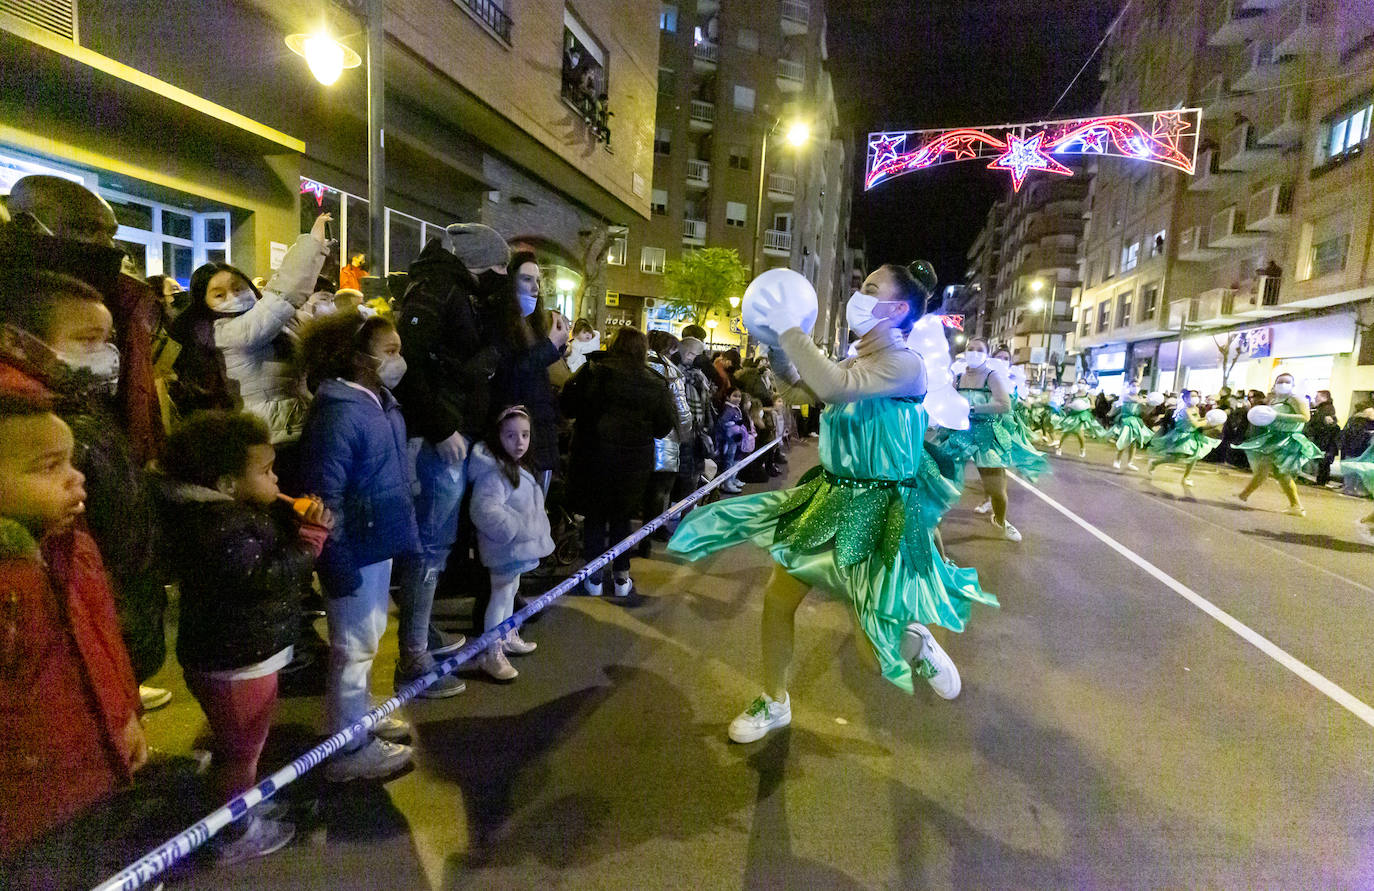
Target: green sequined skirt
{"points": [[994, 442], [1185, 443], [1130, 431], [1083, 422], [864, 541], [1288, 448], [1362, 468]]}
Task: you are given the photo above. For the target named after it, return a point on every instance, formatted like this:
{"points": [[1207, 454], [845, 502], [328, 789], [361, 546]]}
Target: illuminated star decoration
{"points": [[1025, 155], [885, 149], [309, 186], [1094, 141]]}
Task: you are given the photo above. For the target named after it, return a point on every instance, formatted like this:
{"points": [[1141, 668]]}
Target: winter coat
{"points": [[620, 407], [579, 350], [258, 349], [1323, 428], [1355, 438], [699, 401], [451, 338], [511, 524], [241, 570], [730, 427], [67, 690], [354, 457], [667, 449], [134, 308], [757, 383], [523, 379]]}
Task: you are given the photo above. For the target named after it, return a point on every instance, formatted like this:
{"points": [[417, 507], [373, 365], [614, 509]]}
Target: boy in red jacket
{"points": [[68, 700]]}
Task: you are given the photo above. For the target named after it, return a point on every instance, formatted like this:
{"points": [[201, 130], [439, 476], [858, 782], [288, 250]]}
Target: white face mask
{"points": [[390, 369], [102, 363], [237, 302], [858, 313], [1283, 388], [528, 304], [976, 358]]}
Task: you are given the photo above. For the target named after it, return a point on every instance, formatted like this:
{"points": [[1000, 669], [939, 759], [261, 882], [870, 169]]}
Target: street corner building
{"points": [[213, 140]]}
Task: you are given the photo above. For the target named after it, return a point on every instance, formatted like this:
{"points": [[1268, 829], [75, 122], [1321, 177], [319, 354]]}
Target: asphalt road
{"points": [[1110, 733]]}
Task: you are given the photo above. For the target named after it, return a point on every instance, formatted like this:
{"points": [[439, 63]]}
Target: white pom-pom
{"points": [[1216, 417], [1155, 398], [1080, 405], [789, 285], [1262, 415]]}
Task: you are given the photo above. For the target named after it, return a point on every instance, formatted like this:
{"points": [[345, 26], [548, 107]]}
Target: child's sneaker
{"points": [[494, 663], [262, 837], [929, 660], [763, 716], [391, 729], [374, 761], [592, 588], [515, 645]]}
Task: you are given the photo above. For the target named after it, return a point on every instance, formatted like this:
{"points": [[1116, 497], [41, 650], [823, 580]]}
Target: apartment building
{"points": [[731, 80], [213, 141], [1260, 261]]}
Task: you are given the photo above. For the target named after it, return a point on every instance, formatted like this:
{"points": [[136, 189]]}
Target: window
{"points": [[1104, 315], [739, 157], [652, 260], [585, 79], [1123, 309], [667, 18], [747, 38], [1087, 322], [663, 141], [1149, 297], [667, 81], [1130, 256], [658, 202], [404, 239], [1328, 256], [1323, 246], [735, 214], [1112, 258], [620, 244], [1157, 243], [744, 98], [1342, 136]]}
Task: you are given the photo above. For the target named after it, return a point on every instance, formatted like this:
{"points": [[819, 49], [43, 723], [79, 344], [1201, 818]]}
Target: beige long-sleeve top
{"points": [[883, 366]]}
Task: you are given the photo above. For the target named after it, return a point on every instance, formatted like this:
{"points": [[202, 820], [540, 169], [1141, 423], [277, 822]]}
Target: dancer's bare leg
{"points": [[1261, 473], [781, 597], [995, 485]]}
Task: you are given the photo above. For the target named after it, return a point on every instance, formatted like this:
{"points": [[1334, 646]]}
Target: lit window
{"points": [[735, 214], [652, 260], [1149, 296], [1157, 243], [1343, 136], [1104, 315], [1123, 309], [744, 98], [1130, 256], [667, 18]]}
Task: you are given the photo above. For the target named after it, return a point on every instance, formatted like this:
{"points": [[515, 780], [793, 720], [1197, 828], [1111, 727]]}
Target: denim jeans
{"points": [[356, 624], [437, 504]]}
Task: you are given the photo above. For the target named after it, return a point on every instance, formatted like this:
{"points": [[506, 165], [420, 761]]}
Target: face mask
{"points": [[102, 363], [1283, 389], [858, 312], [976, 359], [528, 304], [238, 302], [391, 369]]}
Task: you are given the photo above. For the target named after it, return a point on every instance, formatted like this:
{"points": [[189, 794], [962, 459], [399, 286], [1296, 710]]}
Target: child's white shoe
{"points": [[514, 645], [494, 663]]}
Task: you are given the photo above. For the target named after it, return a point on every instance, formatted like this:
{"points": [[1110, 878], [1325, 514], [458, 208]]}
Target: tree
{"points": [[703, 281], [594, 242], [1229, 353]]}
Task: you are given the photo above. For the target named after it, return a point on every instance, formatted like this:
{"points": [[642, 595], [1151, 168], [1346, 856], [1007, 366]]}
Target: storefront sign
{"points": [[612, 298], [1256, 343]]}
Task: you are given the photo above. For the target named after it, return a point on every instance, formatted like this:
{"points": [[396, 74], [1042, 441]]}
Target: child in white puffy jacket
{"points": [[512, 528]]}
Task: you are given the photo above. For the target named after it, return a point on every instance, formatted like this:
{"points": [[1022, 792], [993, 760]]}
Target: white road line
{"points": [[1323, 684]]}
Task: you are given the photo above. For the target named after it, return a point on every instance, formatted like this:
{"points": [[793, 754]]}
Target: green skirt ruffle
{"points": [[1083, 422], [997, 442], [1289, 449], [1130, 431], [864, 541], [1184, 444], [1363, 468]]}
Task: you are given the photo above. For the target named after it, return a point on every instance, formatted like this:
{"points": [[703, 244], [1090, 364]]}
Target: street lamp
{"points": [[1039, 304], [798, 134], [734, 303], [325, 56]]}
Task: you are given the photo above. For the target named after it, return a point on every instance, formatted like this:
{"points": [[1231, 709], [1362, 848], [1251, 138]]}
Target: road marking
{"points": [[1323, 684]]}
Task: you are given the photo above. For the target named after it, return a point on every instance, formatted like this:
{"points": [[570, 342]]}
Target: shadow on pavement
{"points": [[1314, 540]]}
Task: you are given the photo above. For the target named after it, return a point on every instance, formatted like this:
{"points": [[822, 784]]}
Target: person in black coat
{"points": [[620, 407], [1325, 432]]}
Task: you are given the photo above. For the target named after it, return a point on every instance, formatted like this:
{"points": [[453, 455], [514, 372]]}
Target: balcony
{"points": [[705, 7], [796, 17], [777, 243], [1234, 24], [1216, 307], [1286, 129], [1240, 150], [1300, 30], [1261, 300], [1208, 176], [703, 116], [491, 15], [791, 75], [1183, 312], [705, 57], [1270, 210], [781, 188], [1264, 71], [698, 174], [1227, 230], [1192, 246], [694, 232]]}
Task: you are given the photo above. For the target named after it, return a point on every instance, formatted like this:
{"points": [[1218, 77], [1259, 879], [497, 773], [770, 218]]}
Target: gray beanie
{"points": [[478, 246], [691, 343]]}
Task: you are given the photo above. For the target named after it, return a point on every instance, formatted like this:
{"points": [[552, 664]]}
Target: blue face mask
{"points": [[239, 301]]}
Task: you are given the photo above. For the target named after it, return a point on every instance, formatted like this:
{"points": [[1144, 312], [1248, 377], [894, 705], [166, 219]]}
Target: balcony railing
{"points": [[796, 17], [703, 114], [707, 53], [777, 240], [792, 70], [698, 173], [781, 187], [489, 14], [694, 231]]}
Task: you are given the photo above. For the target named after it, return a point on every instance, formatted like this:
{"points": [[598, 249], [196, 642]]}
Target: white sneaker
{"points": [[623, 589], [374, 761], [593, 589], [153, 697], [391, 728], [1083, 453], [762, 716], [929, 660], [1132, 466], [1188, 482], [1296, 512], [494, 663], [985, 507], [515, 645], [262, 837], [1009, 532], [1116, 465]]}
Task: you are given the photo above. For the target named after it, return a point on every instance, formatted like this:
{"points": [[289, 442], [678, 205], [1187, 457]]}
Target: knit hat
{"points": [[478, 246], [692, 344]]}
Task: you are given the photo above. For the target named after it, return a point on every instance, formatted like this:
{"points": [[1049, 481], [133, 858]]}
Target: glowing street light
{"points": [[1037, 304], [734, 303], [798, 134], [325, 56], [1037, 285], [712, 323]]}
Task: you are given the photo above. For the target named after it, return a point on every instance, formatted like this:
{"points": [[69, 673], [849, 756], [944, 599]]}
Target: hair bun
{"points": [[924, 272]]}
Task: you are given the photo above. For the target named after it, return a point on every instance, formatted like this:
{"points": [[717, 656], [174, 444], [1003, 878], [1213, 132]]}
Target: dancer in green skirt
{"points": [[1129, 431], [1187, 443], [1363, 467], [1280, 449], [1078, 421], [859, 525]]}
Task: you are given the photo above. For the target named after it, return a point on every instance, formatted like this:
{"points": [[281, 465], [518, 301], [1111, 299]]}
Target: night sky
{"points": [[915, 64]]}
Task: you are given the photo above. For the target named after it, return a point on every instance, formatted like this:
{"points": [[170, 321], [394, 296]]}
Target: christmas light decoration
{"points": [[1158, 137]]}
